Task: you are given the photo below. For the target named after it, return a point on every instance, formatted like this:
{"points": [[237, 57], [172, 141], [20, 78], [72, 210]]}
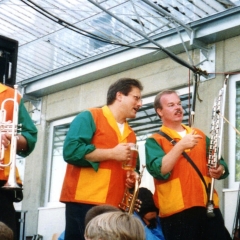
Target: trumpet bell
{"points": [[11, 186], [130, 202], [12, 181]]}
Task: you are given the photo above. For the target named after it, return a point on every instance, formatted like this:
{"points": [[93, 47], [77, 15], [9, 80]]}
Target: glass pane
{"points": [[237, 173], [58, 164]]}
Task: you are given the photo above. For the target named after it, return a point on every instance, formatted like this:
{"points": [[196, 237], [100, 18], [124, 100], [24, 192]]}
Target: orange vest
{"points": [[107, 184], [5, 93], [184, 188]]}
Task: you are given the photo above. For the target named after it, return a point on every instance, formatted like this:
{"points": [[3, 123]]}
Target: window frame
{"points": [[231, 132], [52, 125]]}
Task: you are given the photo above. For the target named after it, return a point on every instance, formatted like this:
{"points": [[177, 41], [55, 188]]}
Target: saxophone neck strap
{"points": [[173, 142]]}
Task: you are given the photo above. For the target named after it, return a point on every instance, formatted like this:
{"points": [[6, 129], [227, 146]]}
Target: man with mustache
{"points": [[95, 147], [180, 194]]}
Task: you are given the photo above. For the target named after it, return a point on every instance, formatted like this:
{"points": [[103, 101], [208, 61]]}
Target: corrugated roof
{"points": [[56, 34]]}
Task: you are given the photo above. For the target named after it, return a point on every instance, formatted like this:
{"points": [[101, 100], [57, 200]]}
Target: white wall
{"points": [[230, 206], [50, 221]]}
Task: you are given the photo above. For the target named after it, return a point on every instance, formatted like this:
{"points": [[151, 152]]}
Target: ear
{"points": [[119, 96], [159, 111]]}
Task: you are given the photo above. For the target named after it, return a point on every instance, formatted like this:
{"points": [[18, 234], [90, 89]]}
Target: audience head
{"points": [[148, 211], [6, 233], [115, 225], [97, 210]]}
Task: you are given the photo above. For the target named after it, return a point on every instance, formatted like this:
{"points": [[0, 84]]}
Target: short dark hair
{"points": [[123, 85], [147, 205], [157, 101], [97, 210]]}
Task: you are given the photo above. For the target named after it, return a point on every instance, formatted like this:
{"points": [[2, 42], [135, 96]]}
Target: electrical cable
{"points": [[70, 26], [85, 33]]}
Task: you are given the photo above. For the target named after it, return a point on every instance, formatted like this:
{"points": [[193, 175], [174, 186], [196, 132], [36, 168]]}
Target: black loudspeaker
{"points": [[8, 60]]}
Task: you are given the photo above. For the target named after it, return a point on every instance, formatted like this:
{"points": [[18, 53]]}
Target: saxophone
{"points": [[215, 147], [130, 200]]}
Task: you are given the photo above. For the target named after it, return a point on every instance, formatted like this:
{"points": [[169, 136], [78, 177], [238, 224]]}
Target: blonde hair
{"points": [[115, 225]]}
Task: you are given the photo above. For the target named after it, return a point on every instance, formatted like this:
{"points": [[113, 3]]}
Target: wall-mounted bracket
{"points": [[208, 62], [36, 108]]}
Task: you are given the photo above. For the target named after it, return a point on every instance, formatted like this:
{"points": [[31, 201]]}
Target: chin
{"points": [[132, 116]]}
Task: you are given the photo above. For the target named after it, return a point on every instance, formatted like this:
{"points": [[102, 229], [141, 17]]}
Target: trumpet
{"points": [[130, 201], [215, 147], [7, 127]]}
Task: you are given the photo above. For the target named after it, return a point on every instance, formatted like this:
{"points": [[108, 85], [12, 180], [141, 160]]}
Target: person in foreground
{"points": [[148, 213], [115, 226], [94, 148], [99, 209], [5, 232], [93, 212], [25, 143], [180, 194]]}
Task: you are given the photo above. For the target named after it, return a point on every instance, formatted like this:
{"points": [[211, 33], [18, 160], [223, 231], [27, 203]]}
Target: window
{"points": [[145, 124], [234, 138], [56, 165]]}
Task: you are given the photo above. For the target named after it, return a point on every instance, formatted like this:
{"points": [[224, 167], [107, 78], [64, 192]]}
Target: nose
{"points": [[139, 103], [177, 106]]}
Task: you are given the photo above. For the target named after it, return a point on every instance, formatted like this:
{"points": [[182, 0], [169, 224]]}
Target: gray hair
{"points": [[115, 225]]}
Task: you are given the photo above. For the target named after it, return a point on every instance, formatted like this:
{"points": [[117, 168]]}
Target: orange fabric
{"points": [[7, 93], [184, 188], [106, 186]]}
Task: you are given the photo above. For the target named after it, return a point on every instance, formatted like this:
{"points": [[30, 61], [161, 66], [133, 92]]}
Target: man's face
{"points": [[131, 103], [172, 110]]}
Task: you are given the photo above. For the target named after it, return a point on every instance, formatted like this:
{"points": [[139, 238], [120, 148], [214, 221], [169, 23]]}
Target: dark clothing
{"points": [[186, 226], [75, 216], [7, 211]]}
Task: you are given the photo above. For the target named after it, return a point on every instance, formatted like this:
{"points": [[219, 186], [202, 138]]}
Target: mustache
{"points": [[178, 111]]}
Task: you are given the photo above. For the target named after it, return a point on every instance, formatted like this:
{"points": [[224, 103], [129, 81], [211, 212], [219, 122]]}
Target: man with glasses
{"points": [[94, 148]]}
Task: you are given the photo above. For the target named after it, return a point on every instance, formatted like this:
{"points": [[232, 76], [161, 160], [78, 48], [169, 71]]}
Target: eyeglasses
{"points": [[137, 98]]}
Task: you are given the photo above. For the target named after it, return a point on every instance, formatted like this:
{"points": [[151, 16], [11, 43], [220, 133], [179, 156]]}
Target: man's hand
{"points": [[216, 172], [6, 140], [132, 177], [190, 140], [187, 142], [121, 152]]}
